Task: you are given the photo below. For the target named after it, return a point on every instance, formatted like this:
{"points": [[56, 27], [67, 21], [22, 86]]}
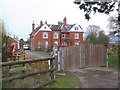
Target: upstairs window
{"points": [[55, 35], [45, 35], [63, 35], [76, 36]]}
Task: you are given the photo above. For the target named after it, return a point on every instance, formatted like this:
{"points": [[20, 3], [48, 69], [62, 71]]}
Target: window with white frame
{"points": [[45, 44], [39, 44], [55, 35], [76, 36], [76, 43], [45, 35], [64, 44], [56, 42]]}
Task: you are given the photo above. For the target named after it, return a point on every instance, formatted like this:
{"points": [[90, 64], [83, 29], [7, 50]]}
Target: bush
{"points": [[4, 57]]}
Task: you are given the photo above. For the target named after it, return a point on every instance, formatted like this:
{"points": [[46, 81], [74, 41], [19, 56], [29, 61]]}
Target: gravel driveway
{"points": [[97, 77], [36, 54]]}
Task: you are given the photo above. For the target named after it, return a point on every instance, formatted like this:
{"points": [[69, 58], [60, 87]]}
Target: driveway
{"points": [[97, 77], [36, 54]]}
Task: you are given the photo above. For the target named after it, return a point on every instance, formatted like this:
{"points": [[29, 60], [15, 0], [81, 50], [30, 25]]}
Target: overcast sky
{"points": [[18, 15]]}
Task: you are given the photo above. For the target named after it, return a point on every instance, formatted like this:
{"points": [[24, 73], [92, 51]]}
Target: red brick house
{"points": [[63, 34]]}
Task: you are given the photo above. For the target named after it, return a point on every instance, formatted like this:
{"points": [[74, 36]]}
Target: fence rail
{"points": [[24, 61], [82, 56], [23, 75]]}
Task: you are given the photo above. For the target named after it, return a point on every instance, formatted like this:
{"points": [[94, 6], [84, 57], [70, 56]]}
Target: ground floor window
{"points": [[56, 42], [76, 43], [46, 44], [64, 44], [39, 44]]}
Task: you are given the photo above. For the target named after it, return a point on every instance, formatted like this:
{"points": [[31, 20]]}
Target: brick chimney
{"points": [[33, 28], [65, 21], [41, 22], [59, 22], [45, 21]]}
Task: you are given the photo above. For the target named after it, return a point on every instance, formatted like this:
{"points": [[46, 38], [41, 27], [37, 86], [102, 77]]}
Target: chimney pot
{"points": [[45, 21], [33, 27], [59, 22], [41, 22], [65, 21]]}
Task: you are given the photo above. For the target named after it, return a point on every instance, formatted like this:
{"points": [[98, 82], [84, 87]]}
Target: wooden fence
{"points": [[51, 70], [81, 56]]}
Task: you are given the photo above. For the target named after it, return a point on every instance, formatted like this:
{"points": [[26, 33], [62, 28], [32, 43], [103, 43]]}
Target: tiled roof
{"points": [[66, 28], [62, 27], [38, 28]]}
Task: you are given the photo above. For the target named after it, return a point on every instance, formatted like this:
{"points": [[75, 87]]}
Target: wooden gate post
{"points": [[58, 60], [55, 55], [107, 57]]}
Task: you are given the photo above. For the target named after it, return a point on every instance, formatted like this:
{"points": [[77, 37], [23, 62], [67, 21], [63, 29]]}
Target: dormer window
{"points": [[76, 28]]}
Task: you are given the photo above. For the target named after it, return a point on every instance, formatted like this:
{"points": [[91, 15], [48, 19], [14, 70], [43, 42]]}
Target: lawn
{"points": [[65, 81], [62, 81], [113, 60]]}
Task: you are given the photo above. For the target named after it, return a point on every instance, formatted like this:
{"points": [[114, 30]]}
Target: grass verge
{"points": [[65, 81], [113, 61], [62, 81]]}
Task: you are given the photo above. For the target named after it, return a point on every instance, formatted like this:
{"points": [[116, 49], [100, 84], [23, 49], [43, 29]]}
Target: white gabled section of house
{"points": [[43, 28], [76, 28]]}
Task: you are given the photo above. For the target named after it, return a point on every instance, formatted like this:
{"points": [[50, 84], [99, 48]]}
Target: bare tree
{"points": [[95, 35]]}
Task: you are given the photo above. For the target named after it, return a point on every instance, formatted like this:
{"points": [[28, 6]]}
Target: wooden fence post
{"points": [[10, 74], [23, 69], [107, 57], [52, 72]]}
